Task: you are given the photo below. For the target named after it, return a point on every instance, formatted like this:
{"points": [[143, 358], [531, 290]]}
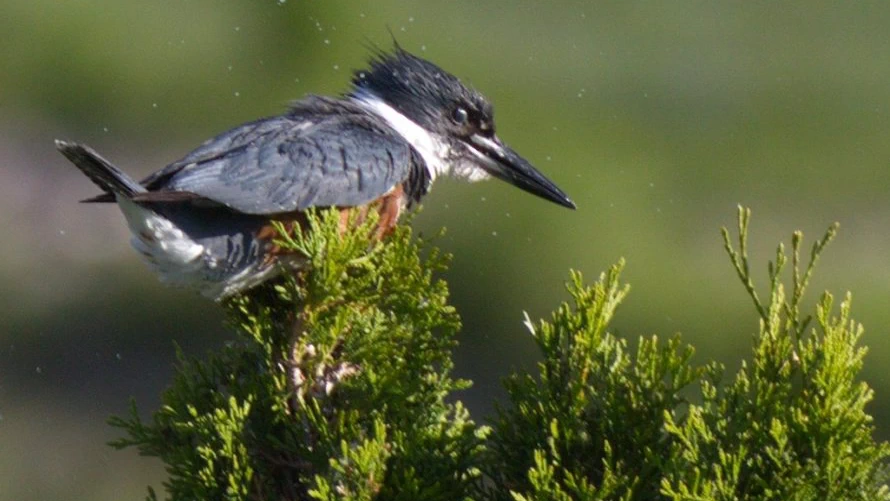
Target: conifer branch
{"points": [[338, 387]]}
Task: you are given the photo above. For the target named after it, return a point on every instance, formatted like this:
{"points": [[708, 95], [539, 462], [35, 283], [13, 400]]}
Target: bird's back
{"points": [[324, 152]]}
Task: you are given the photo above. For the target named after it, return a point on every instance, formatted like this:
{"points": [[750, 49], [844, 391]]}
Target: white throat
{"points": [[431, 148]]}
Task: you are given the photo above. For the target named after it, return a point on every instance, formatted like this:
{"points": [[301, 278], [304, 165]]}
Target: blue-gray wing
{"points": [[294, 162]]}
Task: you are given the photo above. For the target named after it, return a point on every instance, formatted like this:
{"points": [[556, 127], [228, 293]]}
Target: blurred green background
{"points": [[657, 118]]}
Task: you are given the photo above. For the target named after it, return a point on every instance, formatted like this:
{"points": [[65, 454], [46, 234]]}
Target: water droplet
{"points": [[336, 66], [237, 94], [327, 42]]}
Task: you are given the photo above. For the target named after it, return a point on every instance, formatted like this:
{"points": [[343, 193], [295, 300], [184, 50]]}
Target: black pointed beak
{"points": [[502, 162]]}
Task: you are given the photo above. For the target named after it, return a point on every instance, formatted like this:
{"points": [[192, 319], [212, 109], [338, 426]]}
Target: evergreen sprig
{"points": [[599, 422], [792, 424], [338, 386], [591, 425], [334, 389]]}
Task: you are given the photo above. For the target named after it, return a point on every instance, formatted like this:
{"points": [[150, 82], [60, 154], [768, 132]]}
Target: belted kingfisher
{"points": [[204, 221]]}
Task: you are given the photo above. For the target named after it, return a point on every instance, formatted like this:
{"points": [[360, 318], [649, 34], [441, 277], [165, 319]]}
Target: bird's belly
{"points": [[215, 253], [221, 253], [161, 242]]}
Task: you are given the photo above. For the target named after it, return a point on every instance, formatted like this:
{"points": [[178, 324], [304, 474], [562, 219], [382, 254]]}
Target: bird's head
{"points": [[451, 125]]}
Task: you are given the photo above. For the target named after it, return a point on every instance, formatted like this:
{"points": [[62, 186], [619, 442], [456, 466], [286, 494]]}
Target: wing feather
{"points": [[295, 161]]}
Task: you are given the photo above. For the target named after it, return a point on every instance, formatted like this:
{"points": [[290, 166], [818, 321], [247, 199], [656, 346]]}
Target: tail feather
{"points": [[100, 171]]}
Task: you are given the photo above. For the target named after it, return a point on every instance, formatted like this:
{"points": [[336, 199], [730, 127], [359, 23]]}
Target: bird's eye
{"points": [[460, 116]]}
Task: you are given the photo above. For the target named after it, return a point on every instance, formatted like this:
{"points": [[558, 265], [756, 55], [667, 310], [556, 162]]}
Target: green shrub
{"points": [[338, 386]]}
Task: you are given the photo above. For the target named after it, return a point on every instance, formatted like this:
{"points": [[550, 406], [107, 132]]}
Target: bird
{"points": [[205, 222]]}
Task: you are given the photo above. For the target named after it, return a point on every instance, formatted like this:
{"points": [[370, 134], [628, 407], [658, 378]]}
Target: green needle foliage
{"points": [[338, 386], [592, 424], [792, 424], [334, 389], [604, 422]]}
